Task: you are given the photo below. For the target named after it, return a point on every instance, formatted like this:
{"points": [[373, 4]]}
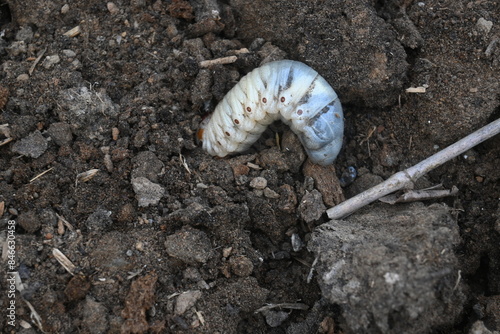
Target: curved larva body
{"points": [[287, 90]]}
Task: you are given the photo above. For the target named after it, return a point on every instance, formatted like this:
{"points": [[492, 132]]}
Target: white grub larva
{"points": [[286, 90]]}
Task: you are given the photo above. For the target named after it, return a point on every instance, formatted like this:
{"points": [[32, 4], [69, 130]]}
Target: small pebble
{"points": [[34, 145], [483, 25], [146, 192], [297, 243], [108, 163], [51, 61], [186, 300], [227, 251], [69, 53], [61, 133], [275, 318], [16, 48], [76, 64], [258, 183], [269, 193], [23, 77], [311, 207], [25, 33], [139, 246], [112, 8], [115, 133], [65, 9]]}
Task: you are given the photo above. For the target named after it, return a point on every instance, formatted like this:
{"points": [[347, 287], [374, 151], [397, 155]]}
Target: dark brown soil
{"points": [[99, 161]]}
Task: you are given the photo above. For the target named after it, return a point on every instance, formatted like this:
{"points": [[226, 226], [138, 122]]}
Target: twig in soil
{"points": [[420, 89], [311, 272], [218, 61], [418, 195], [184, 163], [41, 174], [64, 222], [407, 177], [459, 277], [292, 306], [37, 60], [6, 141], [64, 261]]}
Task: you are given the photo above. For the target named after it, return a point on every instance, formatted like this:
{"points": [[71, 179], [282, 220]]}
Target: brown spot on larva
{"points": [[337, 115], [249, 109], [236, 121], [282, 99], [199, 134], [227, 134], [218, 142], [264, 100], [299, 112]]}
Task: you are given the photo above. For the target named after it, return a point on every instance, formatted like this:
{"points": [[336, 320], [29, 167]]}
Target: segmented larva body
{"points": [[287, 90]]}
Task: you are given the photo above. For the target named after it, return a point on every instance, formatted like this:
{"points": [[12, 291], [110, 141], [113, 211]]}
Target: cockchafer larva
{"points": [[287, 90]]}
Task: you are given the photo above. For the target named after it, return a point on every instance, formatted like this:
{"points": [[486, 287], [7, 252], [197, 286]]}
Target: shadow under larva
{"points": [[284, 90]]}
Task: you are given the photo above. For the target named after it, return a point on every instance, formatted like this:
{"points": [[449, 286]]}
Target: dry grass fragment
{"points": [[420, 89], [41, 174], [73, 32], [64, 261], [218, 61], [86, 176]]}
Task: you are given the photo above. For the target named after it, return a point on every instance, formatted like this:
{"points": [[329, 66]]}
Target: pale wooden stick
{"points": [[407, 177], [218, 61]]}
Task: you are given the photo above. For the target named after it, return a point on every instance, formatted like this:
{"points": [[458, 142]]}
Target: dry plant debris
{"points": [[406, 178]]}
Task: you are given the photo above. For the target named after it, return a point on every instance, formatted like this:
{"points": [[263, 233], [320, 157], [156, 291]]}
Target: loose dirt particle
{"points": [[241, 265], [140, 298], [258, 183], [311, 207], [180, 9], [77, 288], [326, 182], [186, 300], [189, 245], [4, 96], [29, 221], [32, 146]]}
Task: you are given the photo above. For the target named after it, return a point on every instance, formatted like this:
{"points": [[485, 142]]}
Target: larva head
{"points": [[322, 139], [201, 130]]}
